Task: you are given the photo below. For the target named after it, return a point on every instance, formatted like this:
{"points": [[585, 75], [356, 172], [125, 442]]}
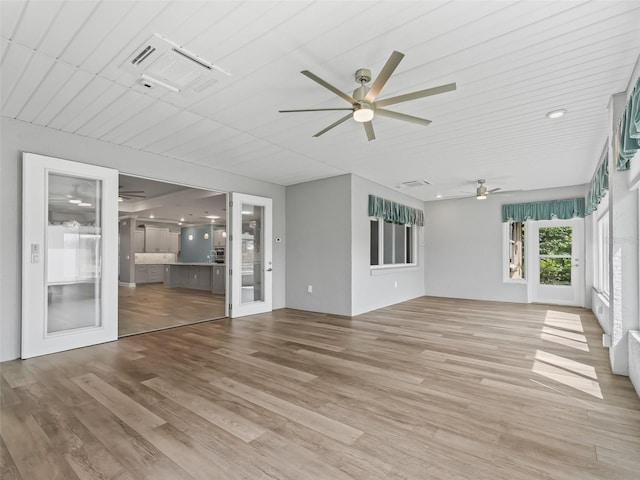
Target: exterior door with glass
{"points": [[251, 255], [555, 262], [69, 255]]}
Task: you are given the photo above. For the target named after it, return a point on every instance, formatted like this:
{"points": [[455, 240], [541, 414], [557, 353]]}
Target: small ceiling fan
{"points": [[130, 194], [363, 101], [481, 192]]}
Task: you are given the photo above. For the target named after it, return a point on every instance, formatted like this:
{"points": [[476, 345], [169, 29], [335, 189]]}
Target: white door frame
{"points": [[35, 339], [577, 262], [238, 308]]}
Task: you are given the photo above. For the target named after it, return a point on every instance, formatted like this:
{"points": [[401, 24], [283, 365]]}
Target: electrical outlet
{"points": [[309, 288]]}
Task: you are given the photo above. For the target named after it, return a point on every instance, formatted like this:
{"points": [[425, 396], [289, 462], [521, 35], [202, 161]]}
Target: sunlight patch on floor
{"points": [[568, 372], [562, 337], [564, 320]]}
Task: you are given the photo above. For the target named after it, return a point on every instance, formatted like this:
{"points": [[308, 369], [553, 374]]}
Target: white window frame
{"points": [[506, 250], [414, 246], [602, 258]]}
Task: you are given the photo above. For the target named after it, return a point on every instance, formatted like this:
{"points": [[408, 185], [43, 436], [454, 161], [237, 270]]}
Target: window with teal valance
{"points": [[627, 138], [395, 212], [561, 209], [599, 186]]}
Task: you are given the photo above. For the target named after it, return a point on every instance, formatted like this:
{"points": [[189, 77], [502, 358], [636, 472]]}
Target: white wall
{"points": [[372, 289], [318, 245], [464, 245], [18, 137]]}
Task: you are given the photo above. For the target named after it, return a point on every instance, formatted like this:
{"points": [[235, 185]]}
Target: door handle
{"points": [[269, 269]]}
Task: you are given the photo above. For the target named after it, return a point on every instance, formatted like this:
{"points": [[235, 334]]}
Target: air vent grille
{"points": [[158, 61], [414, 183]]}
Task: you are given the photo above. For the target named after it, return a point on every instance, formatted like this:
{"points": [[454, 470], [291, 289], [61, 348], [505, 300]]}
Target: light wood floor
{"points": [[427, 389], [151, 306]]}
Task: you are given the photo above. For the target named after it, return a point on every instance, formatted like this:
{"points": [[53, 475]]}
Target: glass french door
{"points": [[251, 255], [69, 255], [556, 274]]}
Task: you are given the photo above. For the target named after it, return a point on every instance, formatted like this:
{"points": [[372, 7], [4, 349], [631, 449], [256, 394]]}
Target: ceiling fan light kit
{"points": [[364, 106]]}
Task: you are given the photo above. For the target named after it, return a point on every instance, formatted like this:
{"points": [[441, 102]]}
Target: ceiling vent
{"points": [[414, 183], [161, 62]]}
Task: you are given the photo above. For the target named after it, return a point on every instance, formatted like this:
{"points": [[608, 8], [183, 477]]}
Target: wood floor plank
{"points": [[327, 426], [223, 418], [118, 403], [429, 389]]}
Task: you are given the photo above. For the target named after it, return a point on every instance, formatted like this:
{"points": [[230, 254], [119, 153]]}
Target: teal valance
{"points": [[626, 141], [599, 186], [394, 212], [561, 209]]}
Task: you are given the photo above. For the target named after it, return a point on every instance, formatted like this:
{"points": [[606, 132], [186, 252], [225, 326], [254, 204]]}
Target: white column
{"points": [[623, 260]]}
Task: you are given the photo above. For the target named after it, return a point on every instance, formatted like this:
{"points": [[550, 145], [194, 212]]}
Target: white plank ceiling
{"points": [[512, 62]]}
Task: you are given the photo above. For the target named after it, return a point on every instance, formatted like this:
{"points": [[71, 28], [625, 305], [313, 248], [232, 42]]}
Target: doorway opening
{"points": [[172, 255]]}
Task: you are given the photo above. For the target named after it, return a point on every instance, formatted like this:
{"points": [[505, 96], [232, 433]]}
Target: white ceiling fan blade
{"points": [[402, 116], [383, 76], [368, 128], [328, 86], [493, 190], [334, 124], [314, 110], [415, 95]]}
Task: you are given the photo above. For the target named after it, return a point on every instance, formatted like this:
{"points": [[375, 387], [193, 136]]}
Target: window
{"points": [[602, 253], [515, 250], [392, 244]]}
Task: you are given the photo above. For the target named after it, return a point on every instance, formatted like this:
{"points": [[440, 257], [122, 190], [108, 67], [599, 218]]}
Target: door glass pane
{"points": [[252, 253], [555, 241], [73, 253], [555, 271]]}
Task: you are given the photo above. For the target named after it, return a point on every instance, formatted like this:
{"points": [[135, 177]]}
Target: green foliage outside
{"points": [[555, 241]]}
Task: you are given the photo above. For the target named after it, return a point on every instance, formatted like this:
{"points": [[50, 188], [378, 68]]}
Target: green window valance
{"points": [[626, 141], [395, 212], [561, 209], [599, 186]]}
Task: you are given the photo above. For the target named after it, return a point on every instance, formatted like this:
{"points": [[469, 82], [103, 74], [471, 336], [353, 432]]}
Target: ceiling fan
{"points": [[481, 192], [363, 102], [130, 194]]}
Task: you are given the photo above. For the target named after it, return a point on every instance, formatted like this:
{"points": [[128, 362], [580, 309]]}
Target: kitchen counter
{"points": [[196, 275]]}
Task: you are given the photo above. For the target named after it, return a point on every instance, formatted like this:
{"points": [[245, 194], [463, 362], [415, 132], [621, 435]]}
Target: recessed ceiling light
{"points": [[213, 220], [179, 223], [182, 219], [556, 113], [84, 204], [151, 216], [213, 216], [438, 196], [75, 201]]}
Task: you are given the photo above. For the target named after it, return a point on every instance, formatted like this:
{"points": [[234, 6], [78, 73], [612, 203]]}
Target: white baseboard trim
{"points": [[125, 284]]}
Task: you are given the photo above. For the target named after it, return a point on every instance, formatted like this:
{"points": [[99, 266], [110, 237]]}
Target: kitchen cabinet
{"points": [[138, 241], [149, 273], [218, 279], [174, 242], [142, 274], [156, 240]]}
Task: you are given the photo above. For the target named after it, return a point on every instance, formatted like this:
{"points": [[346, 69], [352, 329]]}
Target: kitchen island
{"points": [[196, 275]]}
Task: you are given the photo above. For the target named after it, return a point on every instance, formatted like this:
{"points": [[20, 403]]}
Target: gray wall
{"points": [[464, 246], [17, 137], [196, 250], [371, 289], [318, 245]]}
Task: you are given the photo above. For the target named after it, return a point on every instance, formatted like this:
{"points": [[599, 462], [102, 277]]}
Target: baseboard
{"points": [[125, 284], [634, 360]]}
